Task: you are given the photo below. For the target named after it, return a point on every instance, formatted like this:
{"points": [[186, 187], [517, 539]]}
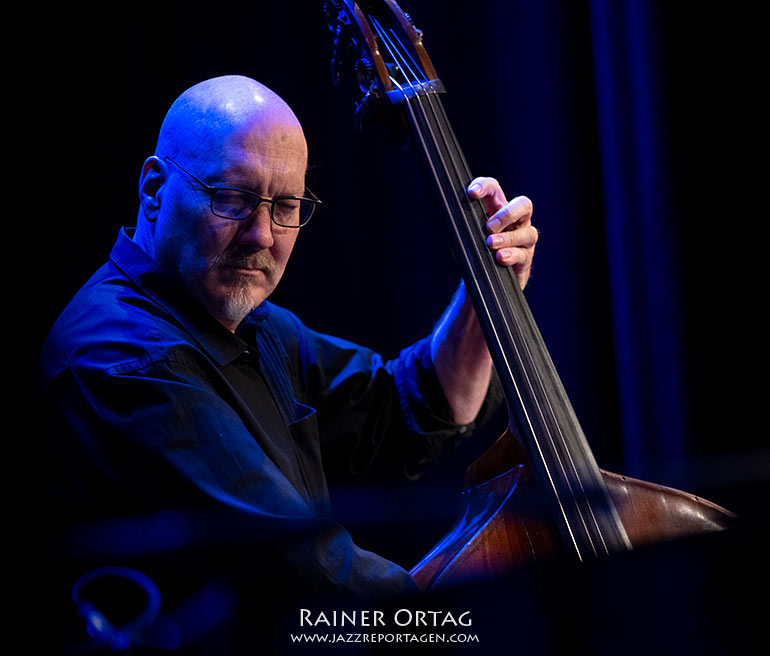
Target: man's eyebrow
{"points": [[219, 182], [227, 180]]}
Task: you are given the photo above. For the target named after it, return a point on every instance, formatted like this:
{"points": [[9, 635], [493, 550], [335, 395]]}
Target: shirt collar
{"points": [[222, 345]]}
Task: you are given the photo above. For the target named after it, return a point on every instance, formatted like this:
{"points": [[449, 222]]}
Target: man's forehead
{"points": [[258, 165], [267, 132], [239, 146], [278, 147]]}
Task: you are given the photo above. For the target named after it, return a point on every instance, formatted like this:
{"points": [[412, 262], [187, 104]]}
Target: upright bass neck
{"points": [[540, 413], [397, 72]]}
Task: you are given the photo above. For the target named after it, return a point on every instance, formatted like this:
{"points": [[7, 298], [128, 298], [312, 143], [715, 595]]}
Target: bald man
{"points": [[174, 384]]}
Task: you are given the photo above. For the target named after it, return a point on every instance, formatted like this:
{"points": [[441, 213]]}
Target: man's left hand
{"points": [[512, 237]]}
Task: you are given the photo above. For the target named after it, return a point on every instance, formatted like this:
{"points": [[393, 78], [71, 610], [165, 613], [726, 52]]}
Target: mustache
{"points": [[246, 260]]}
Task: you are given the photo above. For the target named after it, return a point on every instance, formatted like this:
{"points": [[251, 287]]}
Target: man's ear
{"points": [[150, 187]]}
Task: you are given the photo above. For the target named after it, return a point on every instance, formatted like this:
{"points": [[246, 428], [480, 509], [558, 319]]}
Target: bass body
{"points": [[504, 525]]}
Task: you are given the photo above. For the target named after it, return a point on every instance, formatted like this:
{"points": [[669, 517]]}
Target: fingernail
{"points": [[475, 188], [494, 225], [495, 240]]}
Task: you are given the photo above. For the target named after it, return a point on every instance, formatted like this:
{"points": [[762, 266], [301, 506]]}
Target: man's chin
{"points": [[230, 295], [230, 304], [240, 301]]}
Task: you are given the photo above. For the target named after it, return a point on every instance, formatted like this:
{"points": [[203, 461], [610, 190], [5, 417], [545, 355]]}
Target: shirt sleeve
{"points": [[376, 415]]}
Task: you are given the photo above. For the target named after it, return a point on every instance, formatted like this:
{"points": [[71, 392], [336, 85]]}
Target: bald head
{"points": [[209, 114]]}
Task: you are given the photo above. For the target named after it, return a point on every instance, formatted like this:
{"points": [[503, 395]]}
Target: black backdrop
{"points": [[526, 99]]}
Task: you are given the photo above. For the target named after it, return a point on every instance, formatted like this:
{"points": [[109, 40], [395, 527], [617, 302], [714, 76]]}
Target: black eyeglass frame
{"points": [[211, 191]]}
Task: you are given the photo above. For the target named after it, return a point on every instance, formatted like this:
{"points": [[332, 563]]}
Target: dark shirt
{"points": [[154, 406]]}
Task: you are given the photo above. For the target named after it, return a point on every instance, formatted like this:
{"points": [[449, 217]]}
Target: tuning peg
{"points": [[417, 31], [365, 74]]}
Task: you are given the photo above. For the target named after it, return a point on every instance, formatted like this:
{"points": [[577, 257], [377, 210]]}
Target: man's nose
{"points": [[257, 231]]}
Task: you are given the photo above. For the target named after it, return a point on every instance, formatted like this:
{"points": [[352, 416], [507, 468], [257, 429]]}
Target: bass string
{"points": [[563, 450], [525, 340], [453, 170], [522, 319], [576, 489], [395, 54], [406, 68]]}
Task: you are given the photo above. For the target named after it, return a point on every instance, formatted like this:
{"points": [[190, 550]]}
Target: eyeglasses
{"points": [[240, 204]]}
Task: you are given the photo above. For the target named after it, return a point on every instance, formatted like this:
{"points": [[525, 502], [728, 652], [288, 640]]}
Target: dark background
{"points": [[634, 128]]}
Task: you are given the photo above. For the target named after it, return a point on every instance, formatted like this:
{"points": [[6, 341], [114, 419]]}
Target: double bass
{"points": [[538, 492]]}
